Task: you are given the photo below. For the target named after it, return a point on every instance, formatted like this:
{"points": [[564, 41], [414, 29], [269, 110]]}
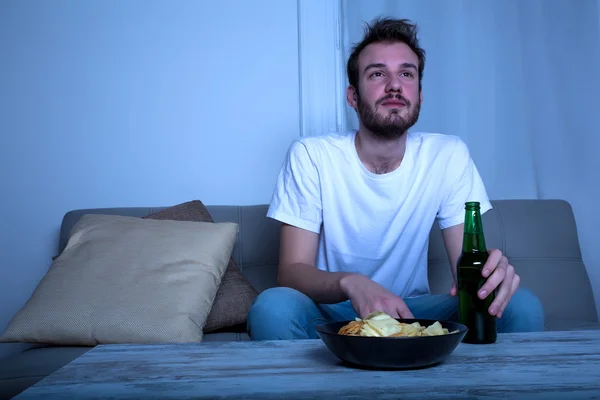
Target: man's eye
{"points": [[408, 74], [376, 74]]}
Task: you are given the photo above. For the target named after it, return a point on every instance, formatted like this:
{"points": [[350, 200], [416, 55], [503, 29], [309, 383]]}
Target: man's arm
{"points": [[453, 240], [297, 270], [297, 267]]}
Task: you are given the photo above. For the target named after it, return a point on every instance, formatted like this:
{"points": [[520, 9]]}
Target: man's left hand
{"points": [[500, 275]]}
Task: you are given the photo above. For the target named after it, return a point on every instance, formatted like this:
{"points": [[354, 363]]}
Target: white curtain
{"points": [[519, 81]]}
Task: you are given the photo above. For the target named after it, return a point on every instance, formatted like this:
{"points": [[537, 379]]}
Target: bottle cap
{"points": [[472, 205]]}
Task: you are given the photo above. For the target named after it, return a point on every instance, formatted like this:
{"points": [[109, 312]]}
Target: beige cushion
{"points": [[128, 280], [236, 294]]}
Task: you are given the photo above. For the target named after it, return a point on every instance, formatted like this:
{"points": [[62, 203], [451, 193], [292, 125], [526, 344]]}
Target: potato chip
{"points": [[351, 329]]}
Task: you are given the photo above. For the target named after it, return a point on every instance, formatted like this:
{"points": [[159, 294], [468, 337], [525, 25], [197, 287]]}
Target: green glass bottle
{"points": [[473, 311]]}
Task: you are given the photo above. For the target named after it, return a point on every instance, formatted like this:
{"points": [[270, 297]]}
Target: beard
{"points": [[391, 126]]}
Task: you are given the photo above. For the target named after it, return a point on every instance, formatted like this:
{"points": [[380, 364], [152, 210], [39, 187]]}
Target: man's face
{"points": [[388, 99]]}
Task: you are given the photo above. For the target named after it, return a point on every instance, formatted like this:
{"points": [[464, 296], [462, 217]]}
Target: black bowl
{"points": [[392, 352]]}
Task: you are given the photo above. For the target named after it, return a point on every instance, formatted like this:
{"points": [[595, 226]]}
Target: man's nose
{"points": [[394, 84]]}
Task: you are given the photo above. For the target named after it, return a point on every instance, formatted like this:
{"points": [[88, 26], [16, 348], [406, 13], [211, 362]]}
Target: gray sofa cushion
{"points": [[538, 236]]}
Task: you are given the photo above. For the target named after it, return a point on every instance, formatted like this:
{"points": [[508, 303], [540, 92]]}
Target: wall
{"points": [[136, 103]]}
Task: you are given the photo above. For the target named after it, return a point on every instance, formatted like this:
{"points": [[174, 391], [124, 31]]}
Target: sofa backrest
{"points": [[538, 236]]}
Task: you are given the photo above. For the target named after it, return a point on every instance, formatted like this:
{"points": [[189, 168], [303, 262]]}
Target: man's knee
{"points": [[277, 313], [524, 313]]}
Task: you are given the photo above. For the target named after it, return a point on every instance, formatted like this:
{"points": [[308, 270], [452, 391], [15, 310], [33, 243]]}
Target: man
{"points": [[357, 208]]}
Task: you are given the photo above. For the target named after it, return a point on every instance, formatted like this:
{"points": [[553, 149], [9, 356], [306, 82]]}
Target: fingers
{"points": [[401, 309], [389, 309], [496, 278], [504, 291], [515, 285], [453, 290], [500, 276], [404, 312], [395, 308], [393, 312], [492, 262]]}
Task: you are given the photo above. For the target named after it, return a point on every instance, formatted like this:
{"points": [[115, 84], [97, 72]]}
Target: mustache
{"points": [[393, 96]]}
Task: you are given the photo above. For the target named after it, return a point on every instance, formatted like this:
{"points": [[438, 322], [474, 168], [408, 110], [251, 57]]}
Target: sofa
{"points": [[538, 236]]}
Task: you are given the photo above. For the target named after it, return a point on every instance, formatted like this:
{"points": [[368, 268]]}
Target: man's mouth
{"points": [[394, 102]]}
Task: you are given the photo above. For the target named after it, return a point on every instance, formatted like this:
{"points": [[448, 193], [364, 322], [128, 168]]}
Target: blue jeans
{"points": [[285, 313]]}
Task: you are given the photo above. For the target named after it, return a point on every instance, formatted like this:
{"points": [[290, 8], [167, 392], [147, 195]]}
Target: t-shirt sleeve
{"points": [[465, 185], [297, 196]]}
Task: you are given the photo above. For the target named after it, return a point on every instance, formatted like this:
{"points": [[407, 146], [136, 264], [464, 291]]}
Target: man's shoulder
{"points": [[441, 152], [319, 144], [439, 144], [434, 139], [330, 139]]}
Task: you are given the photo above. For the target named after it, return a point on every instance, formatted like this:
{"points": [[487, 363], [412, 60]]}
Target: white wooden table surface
{"points": [[548, 365]]}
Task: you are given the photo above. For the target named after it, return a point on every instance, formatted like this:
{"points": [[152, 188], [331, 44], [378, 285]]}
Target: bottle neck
{"points": [[473, 239]]}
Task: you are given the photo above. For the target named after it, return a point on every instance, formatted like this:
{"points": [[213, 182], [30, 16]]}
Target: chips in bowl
{"points": [[380, 324]]}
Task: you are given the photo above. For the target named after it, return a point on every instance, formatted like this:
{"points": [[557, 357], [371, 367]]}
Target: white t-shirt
{"points": [[377, 224]]}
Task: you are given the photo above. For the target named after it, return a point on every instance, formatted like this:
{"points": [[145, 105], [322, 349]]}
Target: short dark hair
{"points": [[386, 30]]}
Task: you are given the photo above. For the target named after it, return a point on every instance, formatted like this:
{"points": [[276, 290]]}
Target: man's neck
{"points": [[379, 156]]}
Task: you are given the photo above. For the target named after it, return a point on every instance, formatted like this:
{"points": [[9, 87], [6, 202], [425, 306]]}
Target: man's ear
{"points": [[352, 97]]}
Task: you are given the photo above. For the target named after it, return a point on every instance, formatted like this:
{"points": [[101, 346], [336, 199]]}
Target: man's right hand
{"points": [[297, 270], [368, 296]]}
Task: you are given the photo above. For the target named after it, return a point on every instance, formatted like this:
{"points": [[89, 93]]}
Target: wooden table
{"points": [[548, 365]]}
